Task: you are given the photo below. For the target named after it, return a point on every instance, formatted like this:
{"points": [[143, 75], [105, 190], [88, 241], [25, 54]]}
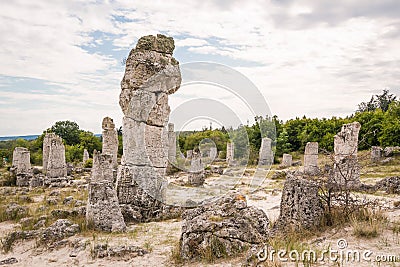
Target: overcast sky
{"points": [[61, 60]]}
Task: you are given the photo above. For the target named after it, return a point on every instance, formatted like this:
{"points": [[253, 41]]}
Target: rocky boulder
{"points": [[222, 228]]}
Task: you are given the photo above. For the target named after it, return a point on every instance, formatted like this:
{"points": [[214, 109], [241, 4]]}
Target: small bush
{"points": [[8, 180], [367, 223], [88, 163]]}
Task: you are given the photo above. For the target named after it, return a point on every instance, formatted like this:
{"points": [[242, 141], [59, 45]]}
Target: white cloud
{"points": [[311, 58]]}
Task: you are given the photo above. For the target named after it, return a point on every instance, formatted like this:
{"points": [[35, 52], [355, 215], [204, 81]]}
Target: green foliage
{"points": [[382, 102], [67, 130], [73, 153], [88, 163], [89, 141]]}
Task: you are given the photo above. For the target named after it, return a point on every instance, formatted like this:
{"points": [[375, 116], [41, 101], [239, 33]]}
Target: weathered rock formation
{"points": [[171, 143], [286, 160], [21, 166], [213, 153], [196, 172], [230, 152], [311, 158], [110, 139], [346, 171], [391, 150], [376, 153], [103, 211], [389, 184], [266, 156], [85, 156], [301, 207], [151, 74], [223, 228], [189, 154], [54, 156]]}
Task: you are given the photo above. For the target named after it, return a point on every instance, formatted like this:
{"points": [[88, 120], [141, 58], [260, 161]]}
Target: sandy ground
{"points": [[160, 238]]}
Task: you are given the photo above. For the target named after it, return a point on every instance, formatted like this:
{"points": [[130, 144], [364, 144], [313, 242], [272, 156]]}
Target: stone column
{"points": [[54, 156], [376, 153], [103, 211], [171, 143], [213, 153], [301, 206], [196, 172], [189, 154], [230, 152], [266, 156], [286, 160], [311, 158], [151, 75], [110, 139], [85, 155], [346, 167], [21, 166]]}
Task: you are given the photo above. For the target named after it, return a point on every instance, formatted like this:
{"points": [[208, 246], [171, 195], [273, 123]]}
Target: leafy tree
{"points": [[377, 101], [67, 130], [89, 141]]}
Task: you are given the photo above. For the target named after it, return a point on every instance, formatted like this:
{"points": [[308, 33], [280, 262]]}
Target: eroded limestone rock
{"points": [[151, 74], [103, 211], [266, 156], [85, 156], [54, 156], [301, 206], [230, 152], [110, 140], [171, 143], [376, 153], [286, 160], [311, 158], [21, 166], [196, 172], [346, 171], [222, 228]]}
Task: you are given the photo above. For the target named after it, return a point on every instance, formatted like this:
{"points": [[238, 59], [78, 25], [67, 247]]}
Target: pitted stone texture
{"points": [[103, 210], [54, 156], [171, 143], [196, 172], [140, 191], [224, 228], [266, 156], [110, 139], [346, 167], [376, 153], [311, 158], [230, 152], [301, 206], [391, 150], [144, 144], [85, 155], [102, 169], [22, 160], [389, 184], [286, 160], [151, 74]]}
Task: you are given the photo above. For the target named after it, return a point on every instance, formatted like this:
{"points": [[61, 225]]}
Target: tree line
{"points": [[379, 118]]}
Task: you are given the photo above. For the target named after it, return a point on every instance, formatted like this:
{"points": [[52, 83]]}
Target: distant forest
{"points": [[379, 118]]}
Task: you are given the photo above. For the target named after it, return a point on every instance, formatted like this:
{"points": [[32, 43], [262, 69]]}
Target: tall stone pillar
{"points": [[21, 166], [85, 155], [110, 139], [54, 156], [196, 172], [103, 211], [151, 74], [286, 160], [230, 152], [311, 158], [266, 156], [376, 153], [346, 167], [171, 143]]}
